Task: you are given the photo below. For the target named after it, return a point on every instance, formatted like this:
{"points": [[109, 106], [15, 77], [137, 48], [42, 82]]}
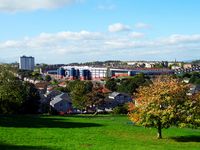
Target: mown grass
{"points": [[84, 132]]}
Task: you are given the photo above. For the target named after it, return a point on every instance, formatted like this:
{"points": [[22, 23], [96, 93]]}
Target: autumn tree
{"points": [[95, 98], [85, 96], [191, 115], [162, 104]]}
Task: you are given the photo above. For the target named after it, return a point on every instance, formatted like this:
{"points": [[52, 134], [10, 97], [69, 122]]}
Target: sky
{"points": [[67, 31]]}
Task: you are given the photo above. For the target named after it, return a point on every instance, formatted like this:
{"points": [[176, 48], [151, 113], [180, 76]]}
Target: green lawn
{"points": [[84, 132]]}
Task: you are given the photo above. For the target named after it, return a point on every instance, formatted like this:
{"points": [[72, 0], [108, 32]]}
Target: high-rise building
{"points": [[26, 63]]}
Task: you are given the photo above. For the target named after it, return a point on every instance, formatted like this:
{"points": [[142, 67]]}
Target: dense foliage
{"points": [[29, 74], [163, 104], [111, 84], [32, 101], [196, 62], [130, 85], [127, 85], [16, 96], [194, 77], [122, 109], [84, 95], [48, 78]]}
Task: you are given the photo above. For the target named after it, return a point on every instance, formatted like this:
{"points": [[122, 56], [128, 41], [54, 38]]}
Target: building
{"points": [[26, 63], [62, 103], [188, 65], [99, 73], [115, 99]]}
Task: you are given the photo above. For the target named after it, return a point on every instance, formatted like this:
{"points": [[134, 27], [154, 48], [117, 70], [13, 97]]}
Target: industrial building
{"points": [[94, 73], [26, 63]]}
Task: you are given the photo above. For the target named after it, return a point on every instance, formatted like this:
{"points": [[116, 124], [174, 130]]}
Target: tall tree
{"points": [[162, 104], [16, 96], [79, 95], [32, 101], [85, 96], [94, 99], [12, 93]]}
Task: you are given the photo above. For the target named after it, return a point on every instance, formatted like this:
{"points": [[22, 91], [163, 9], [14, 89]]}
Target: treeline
{"points": [[196, 62], [101, 63], [194, 77], [16, 96], [127, 85]]}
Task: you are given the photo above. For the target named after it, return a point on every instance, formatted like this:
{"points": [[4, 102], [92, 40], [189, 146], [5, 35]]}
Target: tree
{"points": [[16, 96], [191, 115], [54, 82], [127, 86], [162, 104], [130, 85], [47, 78], [88, 86], [195, 78], [78, 95], [12, 93], [94, 99], [31, 103], [85, 96], [111, 84]]}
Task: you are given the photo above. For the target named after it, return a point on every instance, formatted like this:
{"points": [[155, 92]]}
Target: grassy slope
{"points": [[101, 132]]}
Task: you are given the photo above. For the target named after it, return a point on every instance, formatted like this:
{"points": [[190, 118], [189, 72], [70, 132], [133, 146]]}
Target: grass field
{"points": [[84, 132]]}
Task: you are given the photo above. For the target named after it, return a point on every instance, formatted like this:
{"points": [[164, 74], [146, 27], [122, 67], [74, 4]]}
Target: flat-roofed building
{"points": [[26, 63]]}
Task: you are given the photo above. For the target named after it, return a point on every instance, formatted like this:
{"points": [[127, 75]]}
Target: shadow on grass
{"points": [[94, 116], [191, 138], [42, 122], [88, 116], [6, 146]]}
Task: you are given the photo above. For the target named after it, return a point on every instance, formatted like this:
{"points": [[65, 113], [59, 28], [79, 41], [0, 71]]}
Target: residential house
{"points": [[41, 86], [188, 65], [62, 103], [46, 98], [115, 99]]}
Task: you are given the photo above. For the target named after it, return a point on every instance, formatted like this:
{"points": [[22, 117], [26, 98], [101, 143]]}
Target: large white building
{"points": [[26, 63]]}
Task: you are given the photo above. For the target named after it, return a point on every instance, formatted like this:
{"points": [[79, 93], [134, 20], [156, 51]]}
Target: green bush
{"points": [[122, 109]]}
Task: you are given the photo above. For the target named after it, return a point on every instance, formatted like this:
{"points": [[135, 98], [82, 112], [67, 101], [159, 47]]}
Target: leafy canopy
{"points": [[163, 104]]}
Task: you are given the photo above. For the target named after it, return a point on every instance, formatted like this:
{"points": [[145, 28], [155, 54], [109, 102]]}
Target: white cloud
{"points": [[118, 27], [30, 5], [136, 35], [141, 25], [178, 38], [70, 46]]}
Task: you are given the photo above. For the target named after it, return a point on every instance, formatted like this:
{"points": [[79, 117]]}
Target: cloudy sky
{"points": [[65, 31]]}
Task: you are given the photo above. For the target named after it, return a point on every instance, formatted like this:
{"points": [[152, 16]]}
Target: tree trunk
{"points": [[159, 134], [96, 112]]}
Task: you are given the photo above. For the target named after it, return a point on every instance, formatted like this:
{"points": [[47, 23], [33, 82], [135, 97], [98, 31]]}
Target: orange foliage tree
{"points": [[165, 103]]}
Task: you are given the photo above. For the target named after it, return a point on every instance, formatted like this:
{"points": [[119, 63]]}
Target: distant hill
{"points": [[196, 62]]}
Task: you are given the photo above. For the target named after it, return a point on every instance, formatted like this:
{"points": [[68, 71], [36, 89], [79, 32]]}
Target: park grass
{"points": [[88, 132]]}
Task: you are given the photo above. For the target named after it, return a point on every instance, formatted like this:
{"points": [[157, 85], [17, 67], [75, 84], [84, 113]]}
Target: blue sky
{"points": [[64, 31]]}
